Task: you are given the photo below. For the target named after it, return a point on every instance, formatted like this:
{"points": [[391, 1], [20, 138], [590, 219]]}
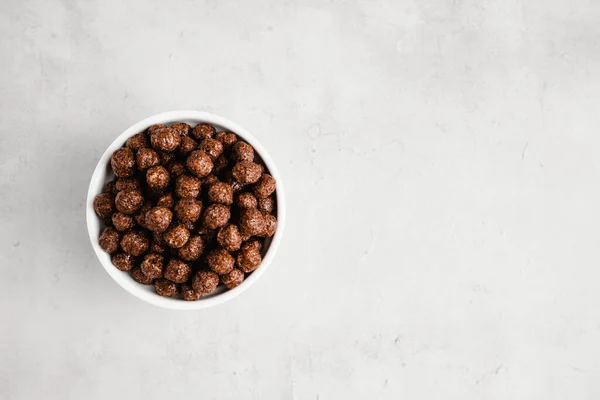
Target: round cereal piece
{"points": [[215, 216], [123, 262], [158, 219], [212, 147], [209, 180], [110, 188], [220, 261], [252, 222], [248, 259], [155, 128], [265, 186], [205, 282], [165, 139], [220, 164], [192, 250], [152, 265], [270, 226], [139, 277], [109, 240], [167, 201], [187, 186], [221, 193], [137, 141], [178, 271], [187, 145], [188, 209], [135, 243], [176, 168], [141, 215], [242, 151], [158, 177], [123, 162], [181, 128], [188, 293], [158, 243], [203, 131], [199, 163], [266, 205], [246, 200], [122, 222], [146, 158], [129, 201], [233, 278], [177, 236], [229, 237], [166, 157], [253, 243], [128, 184], [104, 205], [165, 287], [246, 172], [227, 138]]}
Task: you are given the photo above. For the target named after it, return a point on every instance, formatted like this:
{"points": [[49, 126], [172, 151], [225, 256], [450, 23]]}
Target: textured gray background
{"points": [[441, 162]]}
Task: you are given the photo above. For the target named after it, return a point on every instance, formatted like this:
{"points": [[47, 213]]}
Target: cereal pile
{"points": [[188, 211]]}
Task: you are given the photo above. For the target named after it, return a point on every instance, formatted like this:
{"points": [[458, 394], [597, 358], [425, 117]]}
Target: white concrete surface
{"points": [[441, 161]]}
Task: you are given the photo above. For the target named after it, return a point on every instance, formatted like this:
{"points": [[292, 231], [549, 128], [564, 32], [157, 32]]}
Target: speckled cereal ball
{"points": [[265, 186], [146, 158], [152, 265], [135, 243], [205, 282], [188, 293], [270, 225], [215, 216], [139, 277], [177, 236], [123, 162], [188, 209], [122, 222], [129, 201], [221, 193], [248, 259], [158, 219], [165, 139], [246, 172], [140, 217], [178, 271], [266, 205], [253, 243], [104, 205], [166, 157], [233, 278], [158, 177], [227, 138], [187, 145], [110, 188], [212, 147], [155, 128], [203, 131], [165, 287], [158, 243], [209, 180], [192, 250], [220, 261], [123, 262], [187, 186], [199, 163], [167, 201], [229, 237], [137, 141], [252, 222], [242, 151], [220, 164], [109, 240], [128, 184], [246, 200], [181, 128], [176, 168]]}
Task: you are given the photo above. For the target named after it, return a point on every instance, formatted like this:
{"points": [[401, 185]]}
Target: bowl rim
{"points": [[93, 222]]}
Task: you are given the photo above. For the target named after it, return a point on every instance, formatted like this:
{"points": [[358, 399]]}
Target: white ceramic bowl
{"points": [[103, 174]]}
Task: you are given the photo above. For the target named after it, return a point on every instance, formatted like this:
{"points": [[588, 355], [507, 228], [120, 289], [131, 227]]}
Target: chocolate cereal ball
{"points": [[177, 236], [135, 243], [187, 186], [122, 222], [188, 209], [212, 147], [203, 131], [158, 177], [181, 128], [104, 204], [199, 163], [266, 205], [221, 193], [110, 188], [252, 222], [166, 201], [146, 158], [152, 265], [192, 250], [265, 186], [137, 141], [155, 128], [165, 139], [109, 240], [248, 259], [229, 237], [253, 243], [178, 271], [220, 261], [242, 151], [209, 180], [188, 293], [270, 225], [123, 262], [129, 201], [140, 217], [166, 157], [246, 172], [246, 201], [227, 138], [215, 216], [123, 162], [233, 278], [165, 287], [158, 219], [128, 184], [205, 282], [139, 277], [176, 168], [220, 164], [187, 145]]}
